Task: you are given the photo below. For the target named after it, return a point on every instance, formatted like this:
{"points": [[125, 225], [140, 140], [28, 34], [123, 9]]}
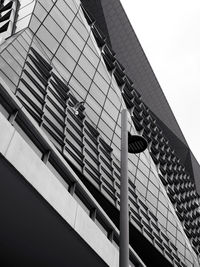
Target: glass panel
{"points": [[111, 109], [65, 59], [40, 12], [82, 77], [48, 40], [60, 19], [4, 67], [91, 56], [101, 83], [87, 66], [77, 87], [11, 61], [53, 27], [97, 94], [16, 54], [71, 48], [92, 102], [80, 28], [76, 38], [23, 23], [67, 12], [47, 4], [105, 129]]}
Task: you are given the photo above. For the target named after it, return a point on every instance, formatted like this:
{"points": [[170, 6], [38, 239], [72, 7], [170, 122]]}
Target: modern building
{"points": [[67, 69]]}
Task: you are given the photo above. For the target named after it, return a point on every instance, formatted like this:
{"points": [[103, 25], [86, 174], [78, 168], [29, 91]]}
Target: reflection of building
{"points": [[55, 56]]}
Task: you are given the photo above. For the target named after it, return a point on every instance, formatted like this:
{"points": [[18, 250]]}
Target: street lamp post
{"points": [[129, 144], [124, 211]]}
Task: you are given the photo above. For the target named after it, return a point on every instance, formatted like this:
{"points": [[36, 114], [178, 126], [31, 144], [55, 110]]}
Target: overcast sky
{"points": [[169, 32]]}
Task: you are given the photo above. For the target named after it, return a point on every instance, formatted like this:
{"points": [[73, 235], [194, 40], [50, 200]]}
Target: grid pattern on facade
{"points": [[58, 67]]}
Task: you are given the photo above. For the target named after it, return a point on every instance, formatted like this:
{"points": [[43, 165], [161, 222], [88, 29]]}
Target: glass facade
{"points": [[57, 59]]}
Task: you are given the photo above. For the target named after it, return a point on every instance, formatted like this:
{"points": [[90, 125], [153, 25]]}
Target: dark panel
{"points": [[32, 233], [95, 9]]}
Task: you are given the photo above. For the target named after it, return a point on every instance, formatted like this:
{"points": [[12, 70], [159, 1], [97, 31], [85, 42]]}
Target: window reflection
{"points": [[71, 48], [60, 19], [23, 23], [53, 27], [25, 9], [48, 40], [62, 6]]}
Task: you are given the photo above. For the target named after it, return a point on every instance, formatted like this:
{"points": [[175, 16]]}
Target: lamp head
{"points": [[136, 144]]}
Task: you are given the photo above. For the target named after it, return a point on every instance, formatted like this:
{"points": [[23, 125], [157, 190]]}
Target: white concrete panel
{"points": [[6, 134], [91, 233], [26, 161]]}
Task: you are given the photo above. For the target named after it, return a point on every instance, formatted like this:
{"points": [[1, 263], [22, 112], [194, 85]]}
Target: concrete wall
{"points": [[20, 155]]}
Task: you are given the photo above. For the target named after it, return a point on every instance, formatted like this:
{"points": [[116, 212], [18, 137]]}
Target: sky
{"points": [[169, 32]]}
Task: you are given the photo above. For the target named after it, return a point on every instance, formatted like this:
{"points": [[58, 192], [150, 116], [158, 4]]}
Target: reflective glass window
{"points": [[76, 38], [20, 48], [60, 19], [97, 93], [47, 4], [82, 77], [153, 189], [142, 177], [103, 71], [63, 7], [23, 23], [11, 61], [40, 12], [23, 43], [143, 168], [162, 219], [111, 109], [92, 115], [65, 59], [5, 67], [117, 140], [54, 29], [48, 40], [152, 199], [61, 69], [71, 48], [140, 187], [108, 119], [87, 66], [17, 55], [101, 82], [25, 10], [11, 85], [77, 87], [171, 229], [91, 56], [72, 5], [94, 104], [114, 97], [80, 28]]}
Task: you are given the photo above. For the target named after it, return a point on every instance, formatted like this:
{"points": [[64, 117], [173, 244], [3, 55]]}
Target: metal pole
{"points": [[124, 211]]}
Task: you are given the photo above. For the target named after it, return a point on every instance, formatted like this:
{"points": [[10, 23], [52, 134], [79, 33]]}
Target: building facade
{"points": [[62, 91]]}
